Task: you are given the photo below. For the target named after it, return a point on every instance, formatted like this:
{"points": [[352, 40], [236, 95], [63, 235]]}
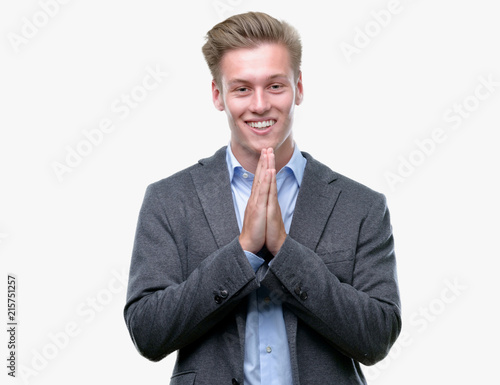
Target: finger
{"points": [[264, 187], [271, 159], [273, 203], [259, 172], [275, 229], [263, 164], [260, 193]]}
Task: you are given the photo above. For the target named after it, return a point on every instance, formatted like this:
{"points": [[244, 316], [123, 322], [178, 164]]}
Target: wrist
{"points": [[277, 247], [246, 246]]}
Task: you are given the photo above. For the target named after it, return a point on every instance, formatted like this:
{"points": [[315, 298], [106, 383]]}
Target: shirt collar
{"points": [[297, 163]]}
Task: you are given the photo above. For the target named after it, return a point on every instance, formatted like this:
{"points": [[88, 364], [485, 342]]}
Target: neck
{"points": [[250, 160]]}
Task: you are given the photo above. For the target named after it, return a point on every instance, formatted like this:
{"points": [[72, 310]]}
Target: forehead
{"points": [[267, 60]]}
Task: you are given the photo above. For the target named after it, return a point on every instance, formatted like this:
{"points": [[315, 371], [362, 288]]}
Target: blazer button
{"points": [[235, 382], [224, 293], [302, 294], [217, 299]]}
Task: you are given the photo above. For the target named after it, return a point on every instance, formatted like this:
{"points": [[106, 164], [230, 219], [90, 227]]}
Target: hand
{"points": [[275, 229], [253, 232], [263, 224]]}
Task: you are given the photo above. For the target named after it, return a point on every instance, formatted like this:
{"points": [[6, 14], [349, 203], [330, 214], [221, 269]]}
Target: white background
{"points": [[67, 241]]}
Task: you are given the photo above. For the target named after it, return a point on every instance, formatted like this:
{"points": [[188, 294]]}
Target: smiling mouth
{"points": [[263, 124]]}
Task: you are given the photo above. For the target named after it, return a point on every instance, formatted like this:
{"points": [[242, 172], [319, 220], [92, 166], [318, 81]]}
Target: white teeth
{"points": [[263, 124]]}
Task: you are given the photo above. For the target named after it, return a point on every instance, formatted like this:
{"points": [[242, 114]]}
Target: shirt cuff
{"points": [[255, 260]]}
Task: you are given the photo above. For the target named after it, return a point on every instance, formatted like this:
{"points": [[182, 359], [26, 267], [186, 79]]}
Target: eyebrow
{"points": [[272, 77]]}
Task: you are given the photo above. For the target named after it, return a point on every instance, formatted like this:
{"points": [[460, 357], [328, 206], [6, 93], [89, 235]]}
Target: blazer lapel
{"points": [[213, 187], [315, 202]]}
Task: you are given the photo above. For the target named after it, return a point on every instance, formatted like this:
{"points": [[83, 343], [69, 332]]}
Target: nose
{"points": [[260, 102]]}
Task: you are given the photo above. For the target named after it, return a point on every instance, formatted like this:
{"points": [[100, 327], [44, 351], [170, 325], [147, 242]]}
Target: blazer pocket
{"points": [[183, 378], [340, 263]]}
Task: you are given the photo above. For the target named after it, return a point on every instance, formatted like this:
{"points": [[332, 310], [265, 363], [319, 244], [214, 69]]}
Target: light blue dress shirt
{"points": [[267, 357]]}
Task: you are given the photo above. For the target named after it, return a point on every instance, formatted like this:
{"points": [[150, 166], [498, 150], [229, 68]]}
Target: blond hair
{"points": [[249, 30]]}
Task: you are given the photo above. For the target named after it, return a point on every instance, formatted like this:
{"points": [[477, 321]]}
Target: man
{"points": [[259, 264]]}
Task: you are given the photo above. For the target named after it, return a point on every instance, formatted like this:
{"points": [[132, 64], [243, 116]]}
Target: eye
{"points": [[276, 87], [241, 89]]}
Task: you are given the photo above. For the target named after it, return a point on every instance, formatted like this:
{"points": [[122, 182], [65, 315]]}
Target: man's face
{"points": [[258, 94]]}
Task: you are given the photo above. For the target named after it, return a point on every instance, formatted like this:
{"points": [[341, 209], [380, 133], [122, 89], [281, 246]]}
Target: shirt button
{"points": [[245, 175], [268, 349]]}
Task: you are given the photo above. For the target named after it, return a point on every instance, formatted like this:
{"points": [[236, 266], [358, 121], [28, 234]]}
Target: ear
{"points": [[299, 91], [217, 97]]}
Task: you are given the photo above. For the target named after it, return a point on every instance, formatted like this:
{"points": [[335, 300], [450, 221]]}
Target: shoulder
{"points": [[351, 190], [182, 182]]}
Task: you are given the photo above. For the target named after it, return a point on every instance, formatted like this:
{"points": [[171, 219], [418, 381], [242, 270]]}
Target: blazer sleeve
{"points": [[167, 308], [362, 319]]}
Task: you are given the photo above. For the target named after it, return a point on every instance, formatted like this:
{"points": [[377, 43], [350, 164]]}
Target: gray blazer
{"points": [[335, 275]]}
